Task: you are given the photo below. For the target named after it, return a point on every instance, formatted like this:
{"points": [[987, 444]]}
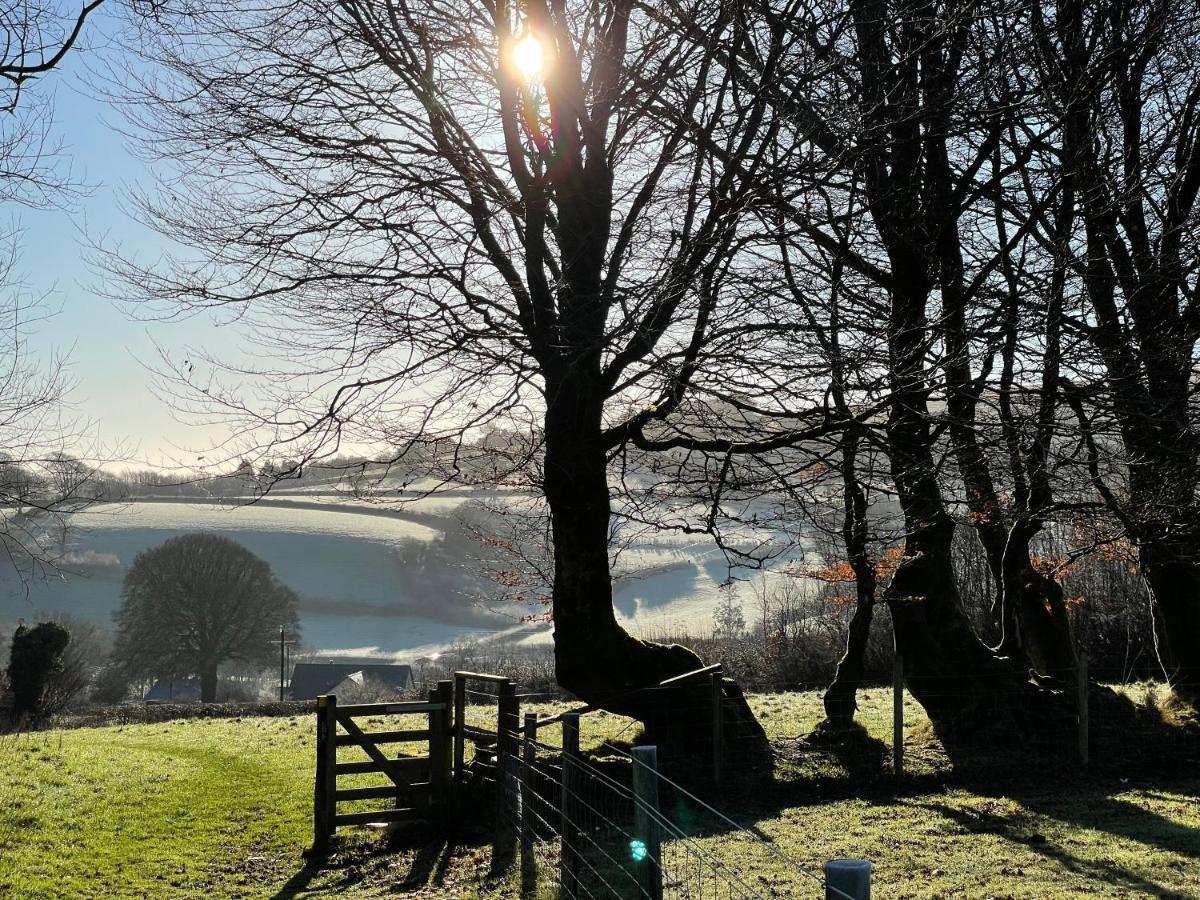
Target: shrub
{"points": [[111, 685], [82, 659], [35, 659]]}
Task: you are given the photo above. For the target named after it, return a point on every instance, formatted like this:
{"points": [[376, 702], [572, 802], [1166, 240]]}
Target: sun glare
{"points": [[528, 58]]}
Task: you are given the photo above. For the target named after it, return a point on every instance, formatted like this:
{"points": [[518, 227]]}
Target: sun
{"points": [[528, 57]]}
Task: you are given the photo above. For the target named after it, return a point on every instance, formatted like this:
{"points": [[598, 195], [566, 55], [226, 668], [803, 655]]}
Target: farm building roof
{"points": [[179, 690], [310, 680]]}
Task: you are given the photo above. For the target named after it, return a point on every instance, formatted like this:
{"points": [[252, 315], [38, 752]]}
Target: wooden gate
{"points": [[420, 786]]}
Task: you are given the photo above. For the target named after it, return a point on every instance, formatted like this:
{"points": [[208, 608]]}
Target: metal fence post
{"points": [[568, 865], [898, 715], [325, 788], [647, 844], [847, 879], [1083, 708], [528, 796], [718, 725]]}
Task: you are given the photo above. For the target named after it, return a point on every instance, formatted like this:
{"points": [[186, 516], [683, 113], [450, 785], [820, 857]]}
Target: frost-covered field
{"points": [[370, 581]]}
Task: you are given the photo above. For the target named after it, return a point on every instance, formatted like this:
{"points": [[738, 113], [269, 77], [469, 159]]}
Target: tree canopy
{"points": [[197, 601]]}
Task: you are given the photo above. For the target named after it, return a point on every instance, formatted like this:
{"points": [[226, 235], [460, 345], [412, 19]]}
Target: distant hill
{"points": [[372, 579]]}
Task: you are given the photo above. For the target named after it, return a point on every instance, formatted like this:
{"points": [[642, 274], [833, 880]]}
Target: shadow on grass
{"points": [[858, 754], [297, 885], [1120, 818], [826, 767], [1117, 817], [1125, 737], [407, 859]]}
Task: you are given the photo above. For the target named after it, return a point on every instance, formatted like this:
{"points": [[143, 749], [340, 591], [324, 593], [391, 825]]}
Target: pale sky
{"points": [[108, 350]]}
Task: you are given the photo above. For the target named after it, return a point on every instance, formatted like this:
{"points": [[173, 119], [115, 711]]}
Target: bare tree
{"points": [[38, 36], [472, 217], [1121, 82], [928, 117], [899, 109]]}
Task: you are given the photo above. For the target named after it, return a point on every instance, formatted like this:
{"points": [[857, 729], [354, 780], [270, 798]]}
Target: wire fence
{"points": [[604, 821], [616, 827], [585, 829]]}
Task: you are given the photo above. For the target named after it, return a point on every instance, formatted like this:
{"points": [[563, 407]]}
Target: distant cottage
{"points": [[310, 680], [178, 690]]}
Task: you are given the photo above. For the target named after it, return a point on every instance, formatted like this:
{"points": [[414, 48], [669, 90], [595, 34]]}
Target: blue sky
{"points": [[108, 349]]}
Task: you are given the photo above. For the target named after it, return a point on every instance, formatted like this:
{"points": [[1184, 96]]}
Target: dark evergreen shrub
{"points": [[34, 658]]}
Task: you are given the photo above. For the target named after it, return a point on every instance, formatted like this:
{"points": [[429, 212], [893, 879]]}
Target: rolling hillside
{"points": [[372, 580]]}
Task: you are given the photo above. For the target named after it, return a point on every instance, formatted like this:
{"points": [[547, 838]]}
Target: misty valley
{"points": [[371, 581]]}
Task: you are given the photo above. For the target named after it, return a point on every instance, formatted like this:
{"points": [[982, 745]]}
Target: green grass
{"points": [[177, 809], [222, 808]]}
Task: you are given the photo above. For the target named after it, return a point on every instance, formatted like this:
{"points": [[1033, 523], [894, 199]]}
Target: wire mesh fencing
{"points": [[585, 828], [578, 826]]}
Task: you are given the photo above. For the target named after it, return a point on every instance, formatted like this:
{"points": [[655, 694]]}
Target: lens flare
{"points": [[528, 58]]}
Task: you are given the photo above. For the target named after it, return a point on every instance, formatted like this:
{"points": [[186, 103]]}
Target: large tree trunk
{"points": [[963, 686], [595, 658], [1032, 615], [208, 683], [1174, 582], [1040, 611], [969, 693]]}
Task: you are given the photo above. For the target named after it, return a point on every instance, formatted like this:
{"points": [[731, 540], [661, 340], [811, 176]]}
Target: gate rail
{"points": [[420, 785]]}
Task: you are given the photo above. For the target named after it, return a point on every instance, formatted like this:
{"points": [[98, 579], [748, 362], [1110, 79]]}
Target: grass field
{"points": [[221, 808]]}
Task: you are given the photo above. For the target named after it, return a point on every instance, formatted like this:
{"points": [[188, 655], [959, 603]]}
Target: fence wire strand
{"points": [[574, 820]]}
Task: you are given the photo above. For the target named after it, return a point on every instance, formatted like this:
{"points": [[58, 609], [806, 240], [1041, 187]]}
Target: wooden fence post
{"points": [[647, 846], [1083, 708], [898, 715], [718, 725], [440, 775], [568, 865], [508, 741], [325, 788], [459, 724], [528, 797]]}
